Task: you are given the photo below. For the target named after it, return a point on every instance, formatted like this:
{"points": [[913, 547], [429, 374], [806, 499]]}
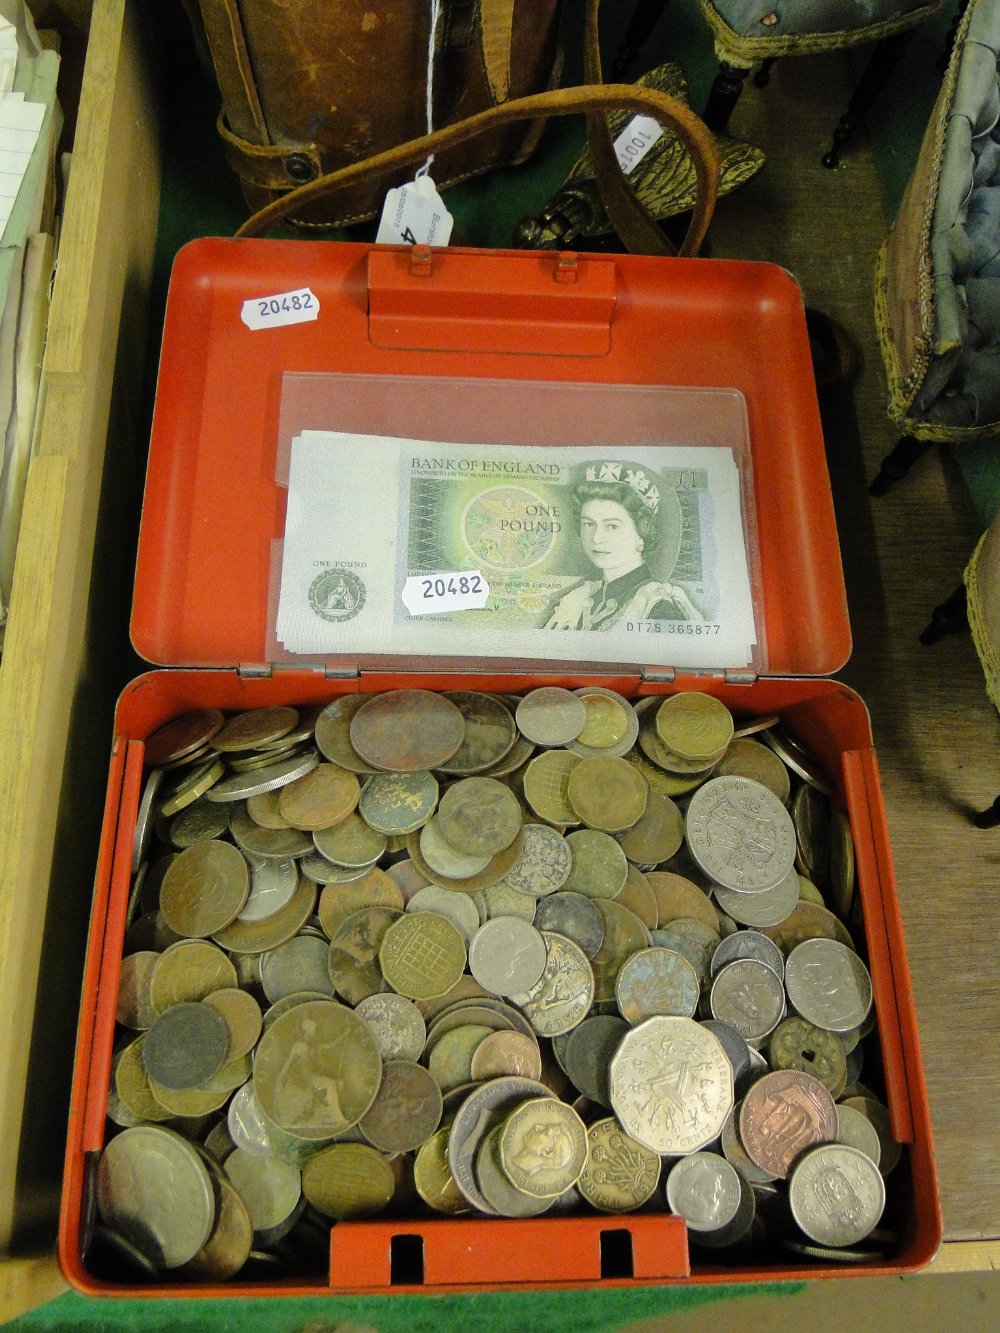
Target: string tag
{"points": [[414, 214], [635, 141]]}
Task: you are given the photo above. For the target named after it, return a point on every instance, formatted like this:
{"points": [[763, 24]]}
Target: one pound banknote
{"points": [[583, 554]]}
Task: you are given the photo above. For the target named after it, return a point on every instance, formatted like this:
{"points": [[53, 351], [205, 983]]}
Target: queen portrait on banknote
{"points": [[617, 506]]}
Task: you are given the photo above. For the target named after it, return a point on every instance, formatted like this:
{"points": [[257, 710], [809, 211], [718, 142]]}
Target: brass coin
{"points": [[656, 981], [465, 988], [259, 936], [190, 1103], [333, 733], [543, 1147], [181, 737], [677, 896], [350, 843], [228, 1246], [659, 780], [347, 1181], [747, 758], [498, 1191], [263, 810], [255, 726], [799, 1044], [502, 900], [317, 1070], [546, 786], [131, 1083], [599, 868], [374, 889], [204, 889], [638, 897], [657, 835], [693, 725], [505, 1053], [607, 794], [189, 970], [398, 803], [621, 1174], [406, 1110], [242, 1016], [405, 731], [652, 746], [606, 721], [433, 1179], [490, 732], [192, 783], [323, 797], [479, 815], [422, 955], [551, 716], [353, 956]]}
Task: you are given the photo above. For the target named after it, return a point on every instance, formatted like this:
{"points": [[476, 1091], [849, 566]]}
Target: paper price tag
{"points": [[273, 312], [429, 594], [635, 141], [414, 214]]}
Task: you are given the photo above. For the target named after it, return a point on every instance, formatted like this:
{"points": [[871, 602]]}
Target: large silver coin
{"points": [[740, 834], [671, 1085], [836, 1194], [828, 984], [154, 1189]]}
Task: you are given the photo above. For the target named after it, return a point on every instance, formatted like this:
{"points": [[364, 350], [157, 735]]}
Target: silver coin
{"points": [[671, 1085], [272, 884], [563, 994], [828, 984], [507, 956], [748, 944], [482, 1110], [544, 864], [857, 1131], [704, 1189], [270, 1188], [397, 1024], [740, 834], [750, 997], [154, 1190], [458, 907], [145, 818], [238, 786], [768, 908], [550, 716], [798, 759], [836, 1194]]}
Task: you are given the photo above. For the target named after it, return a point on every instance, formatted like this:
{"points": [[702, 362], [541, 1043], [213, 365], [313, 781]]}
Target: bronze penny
{"points": [[479, 815], [204, 889], [490, 732], [242, 1015], [189, 970], [374, 889], [182, 737], [321, 798], [185, 1046], [784, 1113], [407, 730], [406, 1110], [354, 953], [258, 936], [254, 727]]}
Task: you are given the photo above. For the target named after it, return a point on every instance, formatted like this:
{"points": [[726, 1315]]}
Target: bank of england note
{"points": [[583, 554]]}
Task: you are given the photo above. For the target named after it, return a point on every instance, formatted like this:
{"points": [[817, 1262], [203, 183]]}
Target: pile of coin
{"points": [[454, 953]]}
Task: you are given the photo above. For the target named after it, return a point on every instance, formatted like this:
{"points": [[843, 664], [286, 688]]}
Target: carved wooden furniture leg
{"points": [[723, 96], [884, 60]]}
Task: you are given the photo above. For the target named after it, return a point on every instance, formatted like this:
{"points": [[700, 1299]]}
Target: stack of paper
{"points": [[30, 124]]}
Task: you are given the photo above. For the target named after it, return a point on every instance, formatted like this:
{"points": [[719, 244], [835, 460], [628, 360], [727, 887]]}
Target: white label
{"points": [[464, 590], [414, 214], [273, 312], [635, 141]]}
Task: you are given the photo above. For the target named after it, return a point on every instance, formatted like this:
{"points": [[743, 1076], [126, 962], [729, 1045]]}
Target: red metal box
{"points": [[204, 605]]}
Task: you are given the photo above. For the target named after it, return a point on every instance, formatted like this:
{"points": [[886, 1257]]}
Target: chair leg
{"points": [[763, 76], [641, 24], [884, 60], [950, 617], [723, 96], [898, 462]]}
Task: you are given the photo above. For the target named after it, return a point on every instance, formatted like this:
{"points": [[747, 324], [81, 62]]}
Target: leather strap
{"points": [[496, 24], [223, 29], [601, 98]]}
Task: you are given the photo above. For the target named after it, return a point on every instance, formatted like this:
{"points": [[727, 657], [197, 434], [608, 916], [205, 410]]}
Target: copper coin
{"points": [[406, 1110], [186, 1045], [182, 737], [783, 1114], [204, 889], [321, 798], [333, 733], [490, 732], [354, 953], [255, 726], [479, 815], [407, 730]]}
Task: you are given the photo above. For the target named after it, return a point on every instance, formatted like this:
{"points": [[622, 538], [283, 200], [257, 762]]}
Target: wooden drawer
{"points": [[66, 646]]}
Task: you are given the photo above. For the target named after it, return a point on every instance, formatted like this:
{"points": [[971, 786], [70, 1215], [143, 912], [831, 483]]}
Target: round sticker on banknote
{"points": [[337, 594]]}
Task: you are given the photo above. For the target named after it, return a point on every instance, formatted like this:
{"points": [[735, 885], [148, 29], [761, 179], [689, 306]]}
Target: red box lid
{"points": [[411, 333]]}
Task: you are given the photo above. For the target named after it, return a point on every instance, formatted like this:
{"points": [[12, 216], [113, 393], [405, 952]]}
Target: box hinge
{"points": [[350, 672], [731, 675], [254, 670], [658, 675], [537, 302], [742, 676]]}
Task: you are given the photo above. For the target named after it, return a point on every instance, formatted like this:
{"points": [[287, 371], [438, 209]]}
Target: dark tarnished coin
{"points": [[551, 716], [198, 822], [317, 1070], [254, 727], [587, 1054], [186, 1045], [607, 794], [783, 1114], [398, 803], [811, 817], [351, 843], [354, 953], [490, 732], [573, 915], [841, 864], [479, 815], [135, 1006], [692, 938], [798, 1044], [406, 1110], [297, 965], [204, 889], [333, 733], [181, 737], [749, 996], [407, 730]]}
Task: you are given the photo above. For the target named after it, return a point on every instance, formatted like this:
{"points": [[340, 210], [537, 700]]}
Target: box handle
{"points": [[495, 1252], [884, 932], [104, 962]]}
